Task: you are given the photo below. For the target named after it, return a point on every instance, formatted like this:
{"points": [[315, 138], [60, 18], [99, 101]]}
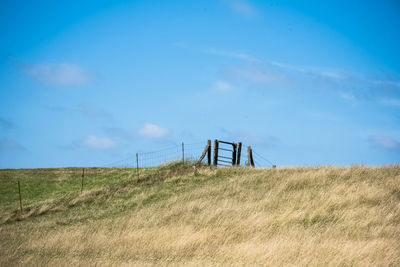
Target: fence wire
{"points": [[261, 160]]}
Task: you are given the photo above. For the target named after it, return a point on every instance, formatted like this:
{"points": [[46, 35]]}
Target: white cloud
{"points": [[60, 74], [385, 142], [241, 7], [152, 131], [93, 141], [223, 85]]}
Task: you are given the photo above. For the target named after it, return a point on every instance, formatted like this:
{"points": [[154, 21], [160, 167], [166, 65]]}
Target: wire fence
{"points": [[28, 186], [261, 161], [182, 152]]}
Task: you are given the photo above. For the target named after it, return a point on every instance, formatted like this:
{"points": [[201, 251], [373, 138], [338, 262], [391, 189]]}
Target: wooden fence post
{"points": [[83, 177], [251, 158], [207, 150], [234, 154], [209, 153], [239, 152], [215, 163], [20, 198]]}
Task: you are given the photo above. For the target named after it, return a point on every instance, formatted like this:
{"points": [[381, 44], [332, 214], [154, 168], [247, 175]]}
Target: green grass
{"points": [[174, 215], [44, 184], [62, 186]]}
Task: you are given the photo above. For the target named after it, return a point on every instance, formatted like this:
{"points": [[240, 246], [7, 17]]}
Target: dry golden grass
{"points": [[321, 216]]}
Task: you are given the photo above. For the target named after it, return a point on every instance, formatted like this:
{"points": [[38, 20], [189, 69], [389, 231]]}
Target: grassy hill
{"points": [[175, 215]]}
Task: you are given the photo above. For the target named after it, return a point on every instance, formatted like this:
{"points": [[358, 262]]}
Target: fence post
{"points": [[239, 153], [183, 153], [251, 158], [137, 165], [209, 153], [234, 155], [215, 152], [83, 177], [20, 198]]}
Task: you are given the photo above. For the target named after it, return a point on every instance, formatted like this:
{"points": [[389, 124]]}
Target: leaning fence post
{"points": [[83, 177], [20, 198], [137, 165], [183, 153]]}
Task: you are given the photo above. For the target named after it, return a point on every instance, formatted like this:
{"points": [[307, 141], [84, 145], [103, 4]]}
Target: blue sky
{"points": [[83, 83]]}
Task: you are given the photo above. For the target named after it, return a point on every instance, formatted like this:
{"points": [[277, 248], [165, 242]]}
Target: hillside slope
{"points": [[315, 216]]}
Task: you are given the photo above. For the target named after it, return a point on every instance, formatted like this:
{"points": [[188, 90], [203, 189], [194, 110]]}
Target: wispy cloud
{"points": [[348, 85], [222, 85], [93, 141], [347, 96], [9, 144], [153, 131], [384, 142], [6, 124], [218, 52], [323, 72], [241, 7], [57, 74], [259, 75], [233, 54]]}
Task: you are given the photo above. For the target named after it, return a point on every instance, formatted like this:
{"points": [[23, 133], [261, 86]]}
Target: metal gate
{"points": [[226, 153]]}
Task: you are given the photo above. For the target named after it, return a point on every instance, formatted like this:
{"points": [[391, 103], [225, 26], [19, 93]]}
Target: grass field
{"points": [[173, 215]]}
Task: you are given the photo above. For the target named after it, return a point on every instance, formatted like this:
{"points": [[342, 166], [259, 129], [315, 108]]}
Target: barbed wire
{"points": [[263, 158]]}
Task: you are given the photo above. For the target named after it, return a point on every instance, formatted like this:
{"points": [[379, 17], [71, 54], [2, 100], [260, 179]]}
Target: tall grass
{"points": [[317, 216]]}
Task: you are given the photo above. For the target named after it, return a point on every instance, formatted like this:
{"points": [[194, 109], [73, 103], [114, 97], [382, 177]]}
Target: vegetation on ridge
{"points": [[177, 215]]}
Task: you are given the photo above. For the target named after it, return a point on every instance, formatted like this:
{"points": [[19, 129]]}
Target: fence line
{"points": [[192, 151], [78, 179]]}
